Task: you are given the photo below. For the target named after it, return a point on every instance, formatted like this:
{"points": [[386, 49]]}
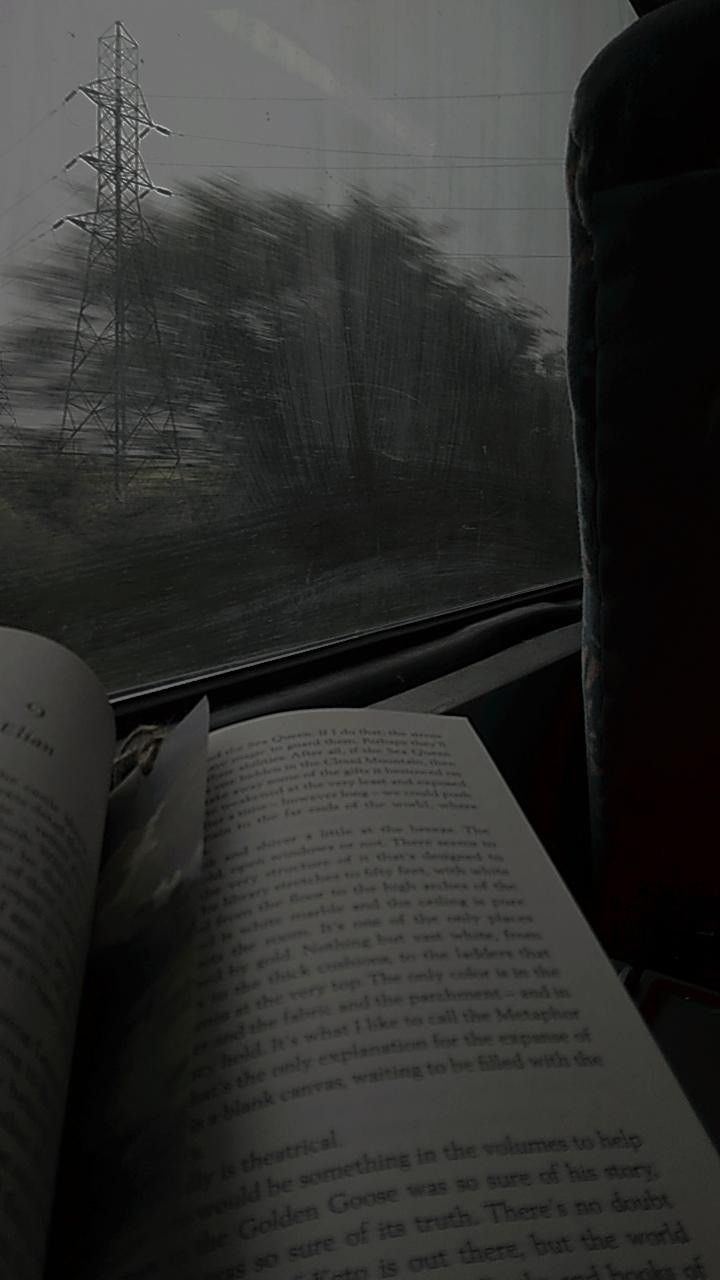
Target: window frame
{"points": [[357, 670]]}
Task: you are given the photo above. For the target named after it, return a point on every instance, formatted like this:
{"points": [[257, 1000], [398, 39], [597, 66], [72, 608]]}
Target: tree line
{"points": [[304, 351]]}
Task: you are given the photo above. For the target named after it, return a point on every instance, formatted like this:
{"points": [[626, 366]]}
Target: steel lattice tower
{"points": [[118, 395], [8, 421]]}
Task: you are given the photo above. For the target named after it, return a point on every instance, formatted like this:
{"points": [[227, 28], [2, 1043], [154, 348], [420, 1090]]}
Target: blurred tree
{"points": [[310, 354]]}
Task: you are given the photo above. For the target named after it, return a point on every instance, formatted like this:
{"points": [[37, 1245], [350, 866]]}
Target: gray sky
{"points": [[318, 96]]}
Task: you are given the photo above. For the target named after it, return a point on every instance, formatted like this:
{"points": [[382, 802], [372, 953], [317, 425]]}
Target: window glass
{"points": [[282, 317]]}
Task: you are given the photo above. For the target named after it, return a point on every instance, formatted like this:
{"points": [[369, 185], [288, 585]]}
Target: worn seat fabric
{"points": [[643, 176]]}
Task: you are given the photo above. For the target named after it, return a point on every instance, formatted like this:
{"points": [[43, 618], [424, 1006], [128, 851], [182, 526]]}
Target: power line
{"points": [[352, 151], [463, 208], [358, 168], [52, 112], [505, 255], [391, 97], [20, 200], [23, 239]]}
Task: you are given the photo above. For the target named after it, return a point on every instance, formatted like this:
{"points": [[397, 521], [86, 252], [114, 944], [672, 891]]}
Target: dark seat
{"points": [[643, 175]]}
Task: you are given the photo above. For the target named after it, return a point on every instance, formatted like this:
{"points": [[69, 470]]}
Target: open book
{"points": [[307, 1000]]}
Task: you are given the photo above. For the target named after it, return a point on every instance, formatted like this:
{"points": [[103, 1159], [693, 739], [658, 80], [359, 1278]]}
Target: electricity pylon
{"points": [[118, 395], [8, 421]]}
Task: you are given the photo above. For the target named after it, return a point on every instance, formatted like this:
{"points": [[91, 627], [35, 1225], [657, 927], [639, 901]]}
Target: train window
{"points": [[282, 318]]}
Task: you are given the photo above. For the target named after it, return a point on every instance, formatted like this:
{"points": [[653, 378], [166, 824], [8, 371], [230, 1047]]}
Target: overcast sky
{"points": [[458, 106]]}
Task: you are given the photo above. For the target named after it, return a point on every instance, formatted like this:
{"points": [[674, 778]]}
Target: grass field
{"points": [[197, 573]]}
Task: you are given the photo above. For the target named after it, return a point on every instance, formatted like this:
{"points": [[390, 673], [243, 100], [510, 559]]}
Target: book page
{"points": [[412, 1055], [56, 746], [122, 1161]]}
